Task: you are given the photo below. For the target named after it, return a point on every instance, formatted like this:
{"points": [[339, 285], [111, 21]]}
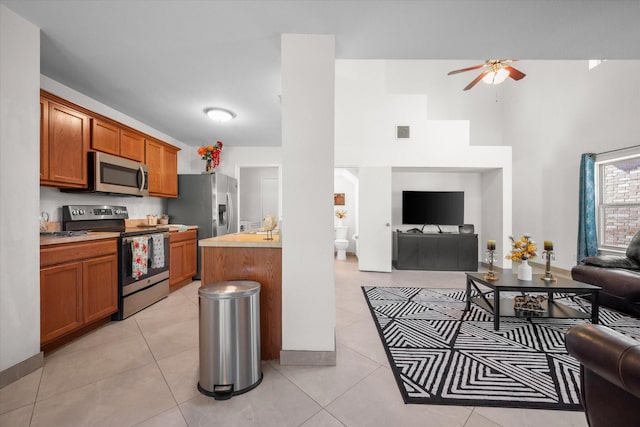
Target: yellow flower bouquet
{"points": [[522, 249]]}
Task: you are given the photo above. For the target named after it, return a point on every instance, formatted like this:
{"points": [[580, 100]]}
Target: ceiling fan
{"points": [[495, 72]]}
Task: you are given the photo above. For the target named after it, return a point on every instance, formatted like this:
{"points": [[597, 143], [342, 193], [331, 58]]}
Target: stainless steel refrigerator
{"points": [[209, 201]]}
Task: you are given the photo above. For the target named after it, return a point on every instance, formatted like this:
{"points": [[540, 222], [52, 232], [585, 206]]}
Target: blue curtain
{"points": [[587, 233]]}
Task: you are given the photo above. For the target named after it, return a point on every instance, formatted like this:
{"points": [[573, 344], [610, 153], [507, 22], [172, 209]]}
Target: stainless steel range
{"points": [[143, 254]]}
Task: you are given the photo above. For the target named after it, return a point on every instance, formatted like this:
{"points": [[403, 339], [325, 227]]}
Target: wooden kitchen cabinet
{"points": [[78, 286], [162, 161], [110, 137], [131, 145], [105, 136], [64, 143], [182, 258]]}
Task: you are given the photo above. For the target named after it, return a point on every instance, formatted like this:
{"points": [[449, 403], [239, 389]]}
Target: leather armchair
{"points": [[609, 375]]}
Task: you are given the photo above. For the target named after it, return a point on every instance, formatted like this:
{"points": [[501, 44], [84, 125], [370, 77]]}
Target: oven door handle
{"points": [[128, 240], [144, 181]]}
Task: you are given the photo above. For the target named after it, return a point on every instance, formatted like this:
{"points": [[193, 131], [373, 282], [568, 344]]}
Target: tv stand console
{"points": [[447, 252]]}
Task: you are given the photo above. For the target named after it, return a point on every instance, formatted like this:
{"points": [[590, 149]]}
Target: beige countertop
{"points": [[180, 227], [92, 235], [97, 235], [247, 239]]}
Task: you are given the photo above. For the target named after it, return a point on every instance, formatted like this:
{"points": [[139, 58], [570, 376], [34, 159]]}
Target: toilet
{"points": [[341, 243]]}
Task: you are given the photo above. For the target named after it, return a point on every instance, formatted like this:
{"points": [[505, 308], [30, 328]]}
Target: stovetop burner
{"points": [[63, 233]]}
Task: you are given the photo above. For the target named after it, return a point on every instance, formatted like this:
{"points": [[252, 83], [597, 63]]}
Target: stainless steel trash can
{"points": [[229, 328]]}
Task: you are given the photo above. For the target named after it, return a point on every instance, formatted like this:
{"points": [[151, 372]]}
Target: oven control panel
{"points": [[93, 212]]}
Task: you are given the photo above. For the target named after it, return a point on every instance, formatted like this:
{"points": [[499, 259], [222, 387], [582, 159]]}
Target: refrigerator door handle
{"points": [[230, 213]]}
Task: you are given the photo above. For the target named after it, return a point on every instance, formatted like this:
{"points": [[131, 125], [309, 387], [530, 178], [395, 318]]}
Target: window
{"points": [[618, 194]]}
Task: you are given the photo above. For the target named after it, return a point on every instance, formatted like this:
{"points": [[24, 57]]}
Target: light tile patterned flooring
{"points": [[143, 371]]}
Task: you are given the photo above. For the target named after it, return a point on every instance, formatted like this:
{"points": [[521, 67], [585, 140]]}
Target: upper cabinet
{"points": [[68, 132], [131, 145], [64, 142], [162, 161], [110, 137]]}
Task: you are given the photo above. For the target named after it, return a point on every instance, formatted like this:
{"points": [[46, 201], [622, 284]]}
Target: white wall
{"points": [[494, 185], [373, 97], [251, 192], [562, 110], [308, 111], [19, 169]]}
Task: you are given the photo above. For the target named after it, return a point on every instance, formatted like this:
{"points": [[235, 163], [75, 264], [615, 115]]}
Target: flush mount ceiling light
{"points": [[219, 114]]}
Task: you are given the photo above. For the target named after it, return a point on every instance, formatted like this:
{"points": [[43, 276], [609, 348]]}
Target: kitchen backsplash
{"points": [[52, 200]]}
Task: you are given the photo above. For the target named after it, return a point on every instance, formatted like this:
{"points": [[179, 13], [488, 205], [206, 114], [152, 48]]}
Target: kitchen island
{"points": [[249, 256]]}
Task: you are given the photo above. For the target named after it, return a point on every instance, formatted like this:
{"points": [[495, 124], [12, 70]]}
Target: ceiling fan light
{"points": [[501, 76], [496, 77], [219, 114], [489, 77]]}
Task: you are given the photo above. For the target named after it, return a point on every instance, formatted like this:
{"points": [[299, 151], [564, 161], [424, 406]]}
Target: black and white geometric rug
{"points": [[441, 354]]}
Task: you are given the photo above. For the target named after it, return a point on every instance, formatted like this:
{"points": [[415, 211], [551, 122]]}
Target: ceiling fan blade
{"points": [[476, 80], [477, 67], [513, 73]]}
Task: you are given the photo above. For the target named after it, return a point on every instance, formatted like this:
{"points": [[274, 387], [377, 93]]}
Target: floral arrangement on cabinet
{"points": [[211, 153], [522, 249]]}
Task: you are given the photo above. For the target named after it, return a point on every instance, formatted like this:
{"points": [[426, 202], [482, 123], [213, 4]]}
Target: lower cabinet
{"points": [[78, 285], [447, 252], [182, 258]]}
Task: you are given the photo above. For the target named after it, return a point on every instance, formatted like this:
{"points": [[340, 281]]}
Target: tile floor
{"points": [[143, 371]]}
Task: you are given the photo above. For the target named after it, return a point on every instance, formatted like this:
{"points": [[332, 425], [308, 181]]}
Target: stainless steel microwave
{"points": [[116, 175]]}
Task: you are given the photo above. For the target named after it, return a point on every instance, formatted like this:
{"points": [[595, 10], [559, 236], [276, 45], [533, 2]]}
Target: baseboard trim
{"points": [[19, 370], [309, 358]]}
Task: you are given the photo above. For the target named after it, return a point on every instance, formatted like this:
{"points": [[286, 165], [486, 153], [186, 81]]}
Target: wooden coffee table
{"points": [[503, 307]]}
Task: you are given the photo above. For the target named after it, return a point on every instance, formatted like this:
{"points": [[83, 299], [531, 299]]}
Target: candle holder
{"points": [[490, 274], [548, 256]]}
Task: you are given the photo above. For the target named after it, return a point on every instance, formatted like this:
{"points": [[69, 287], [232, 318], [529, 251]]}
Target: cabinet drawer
{"points": [[67, 252], [176, 237]]}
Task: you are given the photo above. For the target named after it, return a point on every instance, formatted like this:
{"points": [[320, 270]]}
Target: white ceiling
{"points": [[164, 62]]}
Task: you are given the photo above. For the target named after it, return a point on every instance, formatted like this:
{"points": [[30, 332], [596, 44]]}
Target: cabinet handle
{"points": [[143, 179]]}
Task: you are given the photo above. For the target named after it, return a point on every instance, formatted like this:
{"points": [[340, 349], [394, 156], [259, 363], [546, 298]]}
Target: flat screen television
{"points": [[433, 207]]}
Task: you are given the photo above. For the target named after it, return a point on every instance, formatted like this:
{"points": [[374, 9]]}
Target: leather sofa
{"points": [[619, 277], [609, 375]]}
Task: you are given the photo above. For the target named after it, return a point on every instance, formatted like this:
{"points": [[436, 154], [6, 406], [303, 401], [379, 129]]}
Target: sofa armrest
{"points": [[607, 353]]}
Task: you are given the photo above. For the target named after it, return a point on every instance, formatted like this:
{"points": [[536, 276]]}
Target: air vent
{"points": [[402, 132]]}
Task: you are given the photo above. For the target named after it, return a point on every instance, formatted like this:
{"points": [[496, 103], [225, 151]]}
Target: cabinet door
{"points": [[468, 254], [162, 161], [44, 139], [407, 252], [170, 172], [176, 263], [100, 287], [153, 158], [60, 300], [68, 146], [131, 145], [105, 137], [190, 258]]}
